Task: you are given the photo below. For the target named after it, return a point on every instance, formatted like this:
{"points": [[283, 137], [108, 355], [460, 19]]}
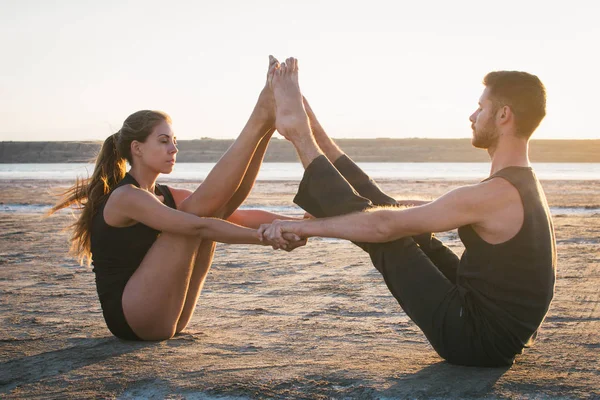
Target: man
{"points": [[483, 308]]}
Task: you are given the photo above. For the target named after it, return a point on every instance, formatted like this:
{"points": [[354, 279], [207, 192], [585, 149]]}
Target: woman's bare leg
{"points": [[206, 249], [227, 175], [249, 178], [155, 295], [202, 264]]}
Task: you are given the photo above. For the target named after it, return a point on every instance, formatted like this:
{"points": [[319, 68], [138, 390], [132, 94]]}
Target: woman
{"points": [[149, 244]]}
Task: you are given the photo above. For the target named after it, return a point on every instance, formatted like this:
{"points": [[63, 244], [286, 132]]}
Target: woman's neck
{"points": [[144, 177]]}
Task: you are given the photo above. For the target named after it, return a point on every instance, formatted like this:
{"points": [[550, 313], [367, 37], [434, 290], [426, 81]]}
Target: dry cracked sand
{"points": [[317, 323]]}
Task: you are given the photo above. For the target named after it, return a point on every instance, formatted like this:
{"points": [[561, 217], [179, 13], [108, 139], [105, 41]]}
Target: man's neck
{"points": [[509, 151]]}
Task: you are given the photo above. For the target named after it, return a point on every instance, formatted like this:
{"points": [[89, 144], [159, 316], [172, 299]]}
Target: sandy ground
{"points": [[316, 323]]}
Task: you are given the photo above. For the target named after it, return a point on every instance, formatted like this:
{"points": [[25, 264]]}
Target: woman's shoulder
{"points": [[124, 191], [123, 186]]}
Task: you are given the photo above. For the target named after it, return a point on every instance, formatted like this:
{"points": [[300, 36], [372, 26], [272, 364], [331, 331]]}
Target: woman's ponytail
{"points": [[87, 194]]}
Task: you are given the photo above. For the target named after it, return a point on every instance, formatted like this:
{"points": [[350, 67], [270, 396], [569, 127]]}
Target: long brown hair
{"points": [[88, 193]]}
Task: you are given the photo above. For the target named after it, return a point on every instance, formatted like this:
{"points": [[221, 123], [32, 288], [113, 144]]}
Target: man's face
{"points": [[483, 123]]}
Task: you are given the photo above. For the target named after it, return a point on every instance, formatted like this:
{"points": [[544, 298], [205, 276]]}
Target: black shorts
{"points": [[110, 292]]}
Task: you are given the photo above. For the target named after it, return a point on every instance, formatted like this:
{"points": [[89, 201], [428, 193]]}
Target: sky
{"points": [[74, 70]]}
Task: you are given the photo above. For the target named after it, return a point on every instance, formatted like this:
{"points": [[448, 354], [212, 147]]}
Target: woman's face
{"points": [[159, 151]]}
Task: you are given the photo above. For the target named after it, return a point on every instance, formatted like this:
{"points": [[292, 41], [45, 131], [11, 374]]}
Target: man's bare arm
{"points": [[462, 206]]}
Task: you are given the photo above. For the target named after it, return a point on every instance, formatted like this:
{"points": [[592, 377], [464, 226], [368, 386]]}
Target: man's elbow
{"points": [[384, 231]]}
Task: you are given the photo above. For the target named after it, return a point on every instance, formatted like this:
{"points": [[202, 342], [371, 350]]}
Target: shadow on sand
{"points": [[439, 381], [83, 352], [446, 380]]}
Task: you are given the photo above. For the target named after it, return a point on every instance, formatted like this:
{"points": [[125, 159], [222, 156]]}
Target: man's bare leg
{"points": [[327, 145], [291, 120]]}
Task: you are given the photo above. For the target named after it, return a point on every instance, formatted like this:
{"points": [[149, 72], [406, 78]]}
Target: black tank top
{"points": [[510, 285], [117, 252]]}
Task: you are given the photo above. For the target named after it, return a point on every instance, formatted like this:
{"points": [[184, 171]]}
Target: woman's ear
{"points": [[136, 148]]}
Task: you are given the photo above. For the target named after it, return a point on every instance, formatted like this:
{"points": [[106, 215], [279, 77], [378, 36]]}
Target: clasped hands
{"points": [[280, 235]]}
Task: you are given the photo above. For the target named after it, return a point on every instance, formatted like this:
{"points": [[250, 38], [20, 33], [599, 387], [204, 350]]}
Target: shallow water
{"points": [[294, 171]]}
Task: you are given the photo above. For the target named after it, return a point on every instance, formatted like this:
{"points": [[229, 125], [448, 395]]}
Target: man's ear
{"points": [[504, 115]]}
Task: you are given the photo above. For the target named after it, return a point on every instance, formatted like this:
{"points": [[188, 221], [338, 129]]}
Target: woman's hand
{"points": [[293, 242]]}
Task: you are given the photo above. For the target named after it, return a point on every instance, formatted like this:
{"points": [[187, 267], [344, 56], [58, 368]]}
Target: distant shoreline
{"points": [[361, 150]]}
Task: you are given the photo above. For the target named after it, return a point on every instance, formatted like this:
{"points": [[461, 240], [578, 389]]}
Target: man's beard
{"points": [[485, 137]]}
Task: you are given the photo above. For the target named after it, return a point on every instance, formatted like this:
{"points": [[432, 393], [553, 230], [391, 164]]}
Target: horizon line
{"points": [[283, 139]]}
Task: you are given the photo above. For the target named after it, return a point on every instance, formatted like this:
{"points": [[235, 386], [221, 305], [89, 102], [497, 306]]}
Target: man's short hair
{"points": [[525, 95]]}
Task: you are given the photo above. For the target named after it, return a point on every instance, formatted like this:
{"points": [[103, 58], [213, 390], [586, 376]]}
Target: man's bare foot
{"points": [[265, 106], [291, 120]]}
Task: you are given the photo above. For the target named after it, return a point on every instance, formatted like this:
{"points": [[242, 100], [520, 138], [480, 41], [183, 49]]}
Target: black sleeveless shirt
{"points": [[510, 285], [118, 252]]}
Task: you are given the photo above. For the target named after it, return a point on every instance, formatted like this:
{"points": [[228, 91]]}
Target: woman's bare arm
{"points": [[128, 205]]}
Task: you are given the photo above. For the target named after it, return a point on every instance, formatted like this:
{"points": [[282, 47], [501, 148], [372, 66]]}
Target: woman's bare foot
{"points": [[291, 120], [265, 106]]}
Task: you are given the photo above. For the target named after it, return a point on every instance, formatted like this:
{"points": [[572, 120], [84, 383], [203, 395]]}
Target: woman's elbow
{"points": [[197, 229], [201, 230]]}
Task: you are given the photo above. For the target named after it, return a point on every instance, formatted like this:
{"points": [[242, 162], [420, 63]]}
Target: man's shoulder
{"points": [[490, 194]]}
